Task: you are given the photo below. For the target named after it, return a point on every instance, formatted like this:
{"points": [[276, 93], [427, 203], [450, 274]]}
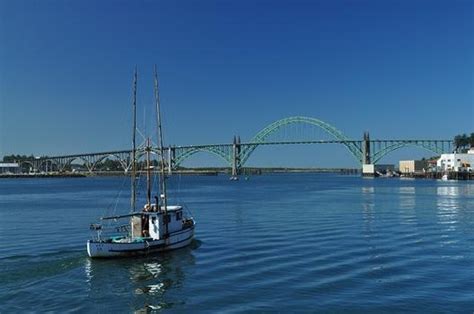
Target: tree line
{"points": [[463, 142], [17, 158]]}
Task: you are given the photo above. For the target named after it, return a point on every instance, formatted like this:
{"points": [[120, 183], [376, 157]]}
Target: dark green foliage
{"points": [[17, 158], [109, 165], [463, 142]]}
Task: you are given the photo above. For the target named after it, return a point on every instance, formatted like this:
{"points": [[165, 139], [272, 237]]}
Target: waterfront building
{"points": [[412, 166], [456, 162], [9, 168]]}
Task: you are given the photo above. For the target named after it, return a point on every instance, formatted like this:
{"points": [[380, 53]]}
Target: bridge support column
{"points": [[171, 157], [368, 169], [36, 165], [366, 149], [236, 157]]}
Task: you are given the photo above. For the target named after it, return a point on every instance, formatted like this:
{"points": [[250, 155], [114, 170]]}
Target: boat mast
{"points": [[148, 174], [134, 148], [162, 158]]}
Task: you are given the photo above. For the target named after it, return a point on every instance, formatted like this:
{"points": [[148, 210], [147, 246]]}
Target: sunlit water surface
{"points": [[285, 243]]}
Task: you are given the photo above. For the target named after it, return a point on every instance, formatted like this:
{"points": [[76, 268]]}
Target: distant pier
{"points": [[438, 175]]}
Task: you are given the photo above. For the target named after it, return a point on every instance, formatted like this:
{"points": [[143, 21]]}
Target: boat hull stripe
{"points": [[151, 247]]}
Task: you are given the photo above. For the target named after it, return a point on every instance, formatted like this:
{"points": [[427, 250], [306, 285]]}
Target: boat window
{"points": [[166, 219], [179, 215]]}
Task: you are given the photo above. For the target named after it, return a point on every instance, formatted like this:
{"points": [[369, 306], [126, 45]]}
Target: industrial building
{"points": [[412, 166]]}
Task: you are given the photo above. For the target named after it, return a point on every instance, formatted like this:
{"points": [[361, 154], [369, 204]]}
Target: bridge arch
{"points": [[25, 163], [87, 163], [46, 162], [429, 146], [182, 156], [123, 163], [274, 127]]}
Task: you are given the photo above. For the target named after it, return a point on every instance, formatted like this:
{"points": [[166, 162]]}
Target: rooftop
{"points": [[8, 165]]}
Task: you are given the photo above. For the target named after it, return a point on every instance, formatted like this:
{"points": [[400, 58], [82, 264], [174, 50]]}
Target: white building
{"points": [[456, 162], [8, 168]]}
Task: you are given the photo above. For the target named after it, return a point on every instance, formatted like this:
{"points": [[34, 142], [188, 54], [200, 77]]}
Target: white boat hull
{"points": [[176, 240]]}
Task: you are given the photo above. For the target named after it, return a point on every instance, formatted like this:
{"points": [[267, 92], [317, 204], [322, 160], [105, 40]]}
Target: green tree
{"points": [[463, 142], [457, 142], [17, 158]]}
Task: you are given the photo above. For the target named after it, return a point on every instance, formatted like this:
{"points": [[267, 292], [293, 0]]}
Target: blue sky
{"points": [[398, 69]]}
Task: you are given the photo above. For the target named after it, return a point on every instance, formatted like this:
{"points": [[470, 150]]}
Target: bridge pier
{"points": [[236, 156], [36, 165], [366, 149], [171, 158], [368, 169]]}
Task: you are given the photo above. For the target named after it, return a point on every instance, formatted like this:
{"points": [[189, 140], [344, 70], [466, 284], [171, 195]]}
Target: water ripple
{"points": [[272, 244]]}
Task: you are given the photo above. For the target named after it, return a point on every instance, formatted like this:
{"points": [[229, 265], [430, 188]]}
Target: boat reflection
{"points": [[149, 279], [448, 205]]}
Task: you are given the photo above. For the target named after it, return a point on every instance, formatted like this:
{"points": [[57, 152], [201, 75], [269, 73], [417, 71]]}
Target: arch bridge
{"points": [[236, 154]]}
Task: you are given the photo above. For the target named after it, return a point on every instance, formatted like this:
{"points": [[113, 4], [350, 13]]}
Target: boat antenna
{"points": [[134, 145], [160, 146]]}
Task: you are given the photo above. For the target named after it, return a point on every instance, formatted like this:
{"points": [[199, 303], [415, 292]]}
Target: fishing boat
{"points": [[157, 226]]}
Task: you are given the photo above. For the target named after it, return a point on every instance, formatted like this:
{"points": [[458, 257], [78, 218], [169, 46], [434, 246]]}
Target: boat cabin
{"points": [[152, 223]]}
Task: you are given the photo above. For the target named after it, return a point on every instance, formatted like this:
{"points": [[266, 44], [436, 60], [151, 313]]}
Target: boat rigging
{"points": [[157, 227]]}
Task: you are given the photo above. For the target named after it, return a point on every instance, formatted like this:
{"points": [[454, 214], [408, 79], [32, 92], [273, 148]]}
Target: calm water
{"points": [[281, 243]]}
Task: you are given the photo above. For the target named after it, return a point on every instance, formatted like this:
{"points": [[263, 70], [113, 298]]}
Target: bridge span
{"points": [[236, 154]]}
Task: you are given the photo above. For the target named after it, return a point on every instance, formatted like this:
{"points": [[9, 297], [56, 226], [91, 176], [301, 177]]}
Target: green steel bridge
{"points": [[236, 154]]}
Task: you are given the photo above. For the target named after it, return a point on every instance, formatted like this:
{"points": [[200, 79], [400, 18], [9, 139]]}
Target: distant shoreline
{"points": [[42, 175], [246, 172], [196, 171]]}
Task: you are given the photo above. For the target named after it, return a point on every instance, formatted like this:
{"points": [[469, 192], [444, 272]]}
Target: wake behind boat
{"points": [[157, 227]]}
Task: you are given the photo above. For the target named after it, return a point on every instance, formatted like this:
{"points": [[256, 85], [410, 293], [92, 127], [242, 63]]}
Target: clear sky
{"points": [[398, 69]]}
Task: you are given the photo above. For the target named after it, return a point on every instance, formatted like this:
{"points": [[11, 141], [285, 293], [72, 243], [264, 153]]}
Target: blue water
{"points": [[275, 243]]}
